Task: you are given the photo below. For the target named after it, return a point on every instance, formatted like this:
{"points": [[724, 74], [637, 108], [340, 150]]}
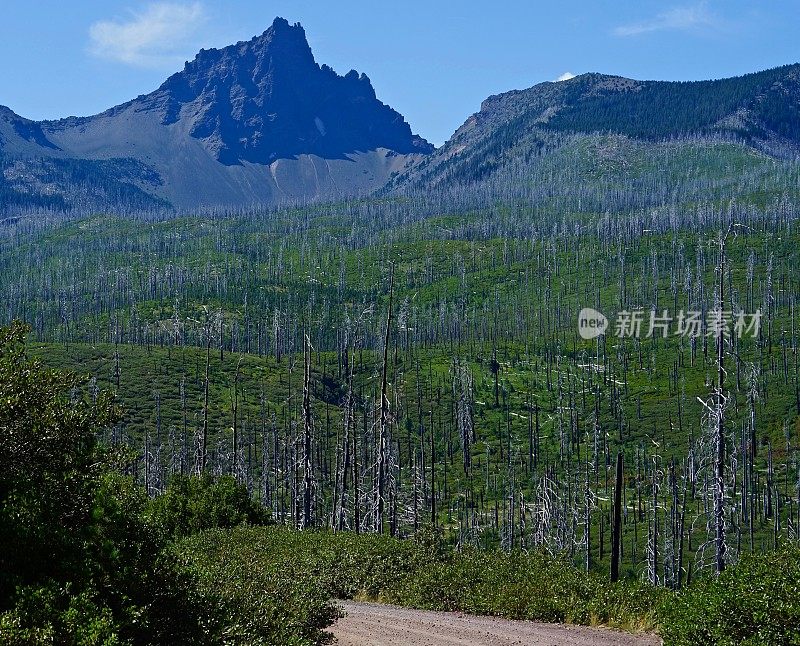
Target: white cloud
{"points": [[155, 37], [566, 76], [675, 19]]}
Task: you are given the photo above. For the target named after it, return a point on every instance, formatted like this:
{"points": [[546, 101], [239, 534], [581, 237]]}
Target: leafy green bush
{"points": [[79, 563], [129, 589], [756, 601], [269, 592], [753, 602], [49, 614], [192, 504], [299, 571], [531, 586], [49, 469]]}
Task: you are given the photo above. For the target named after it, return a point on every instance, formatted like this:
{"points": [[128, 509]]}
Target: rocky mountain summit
{"points": [[255, 123]]}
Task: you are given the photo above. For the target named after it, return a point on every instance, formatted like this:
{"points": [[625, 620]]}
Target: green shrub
{"points": [[130, 589], [753, 602], [268, 594], [756, 601], [531, 586], [299, 572], [192, 504], [48, 615], [79, 563]]}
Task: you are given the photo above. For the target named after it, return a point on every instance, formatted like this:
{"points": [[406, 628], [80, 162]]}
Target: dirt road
{"points": [[372, 624]]}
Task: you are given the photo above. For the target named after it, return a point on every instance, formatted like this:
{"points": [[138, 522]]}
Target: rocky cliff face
{"points": [[267, 99]]}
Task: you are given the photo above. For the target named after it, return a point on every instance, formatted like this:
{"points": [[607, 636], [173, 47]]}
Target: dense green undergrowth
{"points": [[755, 602], [85, 554], [282, 583]]}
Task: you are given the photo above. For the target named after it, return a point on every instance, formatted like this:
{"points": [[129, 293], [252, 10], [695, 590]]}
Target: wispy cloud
{"points": [[566, 76], [689, 18], [155, 37]]}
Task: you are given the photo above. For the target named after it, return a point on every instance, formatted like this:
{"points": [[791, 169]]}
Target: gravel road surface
{"points": [[373, 624]]}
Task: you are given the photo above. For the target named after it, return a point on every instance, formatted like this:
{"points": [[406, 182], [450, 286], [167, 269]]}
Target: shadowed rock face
{"points": [[20, 130], [267, 99]]}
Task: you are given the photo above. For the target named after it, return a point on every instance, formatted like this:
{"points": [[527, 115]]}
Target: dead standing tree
{"points": [[464, 398], [346, 458], [237, 464], [307, 519], [719, 439], [210, 323], [715, 420], [384, 421], [616, 535]]}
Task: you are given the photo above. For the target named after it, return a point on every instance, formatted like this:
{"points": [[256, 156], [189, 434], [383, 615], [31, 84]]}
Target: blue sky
{"points": [[433, 61]]}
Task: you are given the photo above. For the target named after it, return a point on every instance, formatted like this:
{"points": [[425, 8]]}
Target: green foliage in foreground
{"points": [[86, 557], [275, 590], [755, 602], [301, 571], [81, 560], [284, 579]]}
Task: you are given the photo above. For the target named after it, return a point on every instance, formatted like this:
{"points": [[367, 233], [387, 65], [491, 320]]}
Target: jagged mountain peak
{"points": [[267, 98], [281, 46], [254, 123]]}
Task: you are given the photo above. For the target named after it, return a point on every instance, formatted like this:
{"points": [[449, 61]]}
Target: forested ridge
{"points": [[658, 110], [516, 145]]}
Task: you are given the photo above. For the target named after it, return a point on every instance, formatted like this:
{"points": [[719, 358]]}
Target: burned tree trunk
{"points": [[308, 475], [383, 429], [617, 521], [719, 458]]}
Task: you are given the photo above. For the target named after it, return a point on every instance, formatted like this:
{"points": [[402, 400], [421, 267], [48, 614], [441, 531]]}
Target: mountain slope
{"points": [[256, 123], [514, 129], [19, 135]]}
